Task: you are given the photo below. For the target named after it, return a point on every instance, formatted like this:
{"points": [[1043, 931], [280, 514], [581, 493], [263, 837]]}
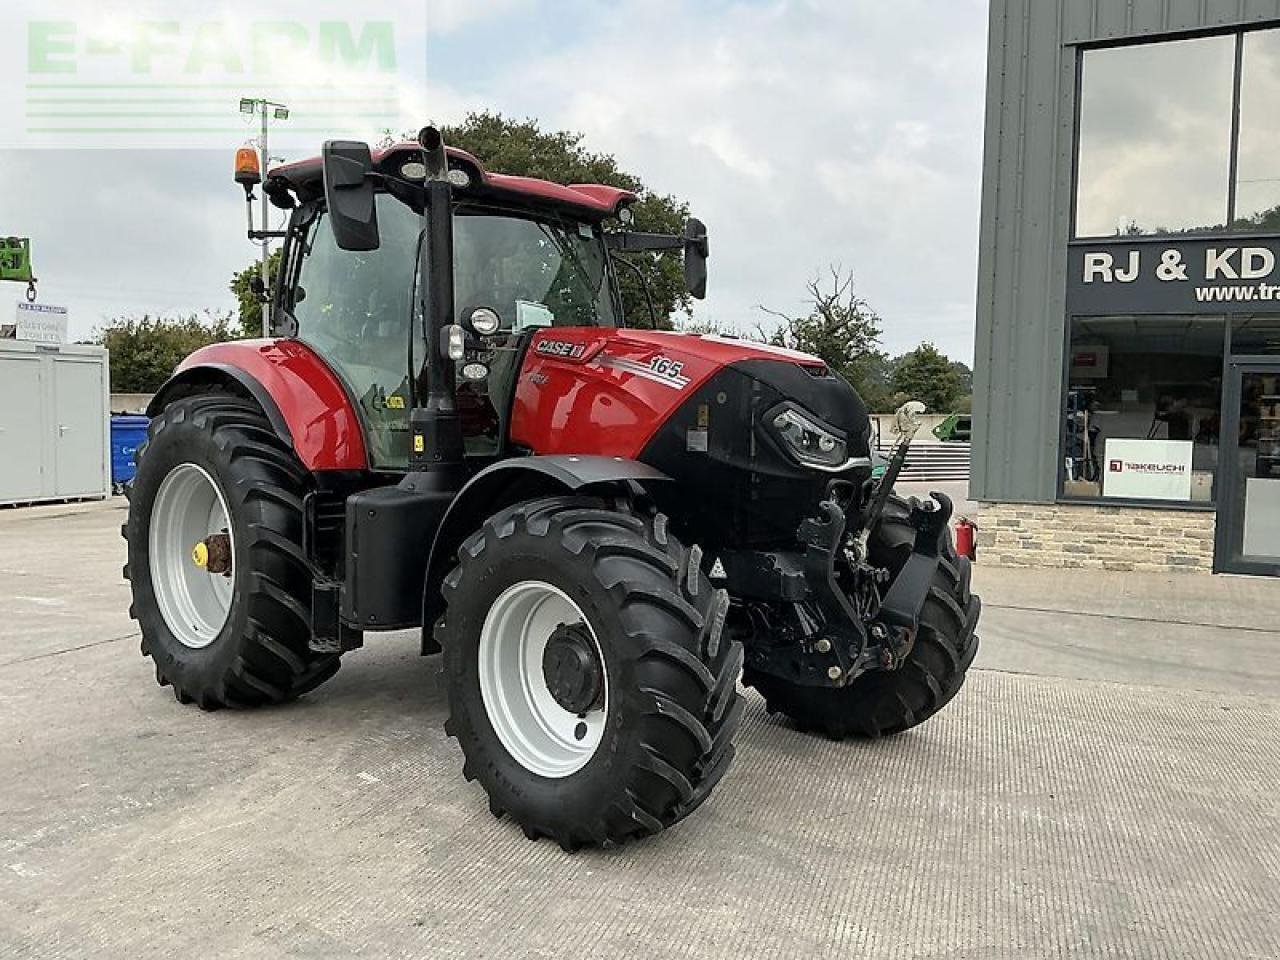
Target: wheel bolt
{"points": [[835, 673]]}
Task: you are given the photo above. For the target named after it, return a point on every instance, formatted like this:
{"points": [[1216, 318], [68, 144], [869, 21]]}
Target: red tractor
{"points": [[603, 528]]}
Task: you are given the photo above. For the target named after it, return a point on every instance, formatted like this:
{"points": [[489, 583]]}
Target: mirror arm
{"points": [[628, 241], [644, 286]]}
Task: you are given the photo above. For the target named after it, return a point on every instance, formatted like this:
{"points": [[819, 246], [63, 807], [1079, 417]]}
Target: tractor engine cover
{"points": [[697, 408]]}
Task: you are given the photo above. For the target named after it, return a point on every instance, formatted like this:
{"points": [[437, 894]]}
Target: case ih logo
{"points": [[560, 348], [1150, 469]]}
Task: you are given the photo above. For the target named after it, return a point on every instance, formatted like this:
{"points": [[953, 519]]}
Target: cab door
{"points": [[357, 310]]}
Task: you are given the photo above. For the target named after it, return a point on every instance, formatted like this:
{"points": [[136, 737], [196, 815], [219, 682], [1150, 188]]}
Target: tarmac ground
{"points": [[1106, 785]]}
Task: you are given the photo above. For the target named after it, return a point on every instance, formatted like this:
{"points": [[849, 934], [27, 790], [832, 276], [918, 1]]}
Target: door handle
{"points": [[62, 429]]}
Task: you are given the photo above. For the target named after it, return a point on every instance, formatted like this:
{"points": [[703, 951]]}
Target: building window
{"points": [[1255, 336], [1143, 408], [1258, 162], [1155, 137]]}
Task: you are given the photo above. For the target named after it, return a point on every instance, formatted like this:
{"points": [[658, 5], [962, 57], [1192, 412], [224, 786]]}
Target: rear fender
{"points": [[513, 481], [305, 402]]}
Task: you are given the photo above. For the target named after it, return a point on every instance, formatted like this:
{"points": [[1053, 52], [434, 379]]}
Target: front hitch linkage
{"points": [[893, 631]]}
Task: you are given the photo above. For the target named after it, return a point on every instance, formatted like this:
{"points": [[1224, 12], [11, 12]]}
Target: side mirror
{"points": [[696, 252], [348, 192]]}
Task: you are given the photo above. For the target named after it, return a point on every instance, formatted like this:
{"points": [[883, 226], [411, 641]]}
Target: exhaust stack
{"points": [[434, 425]]}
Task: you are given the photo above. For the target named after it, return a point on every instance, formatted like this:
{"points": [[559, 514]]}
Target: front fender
{"points": [[302, 397], [512, 481]]}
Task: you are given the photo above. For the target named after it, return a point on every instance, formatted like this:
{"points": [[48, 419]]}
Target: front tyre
{"points": [[221, 586], [590, 684]]}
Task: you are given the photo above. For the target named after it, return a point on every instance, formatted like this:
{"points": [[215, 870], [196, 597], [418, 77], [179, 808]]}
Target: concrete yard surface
{"points": [[1105, 785]]}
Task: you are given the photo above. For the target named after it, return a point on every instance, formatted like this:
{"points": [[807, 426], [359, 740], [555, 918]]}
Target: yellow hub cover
{"points": [[200, 555]]}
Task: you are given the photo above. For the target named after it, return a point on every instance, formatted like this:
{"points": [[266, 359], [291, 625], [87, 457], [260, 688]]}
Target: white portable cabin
{"points": [[55, 432]]}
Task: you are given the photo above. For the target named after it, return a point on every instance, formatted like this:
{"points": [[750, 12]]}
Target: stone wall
{"points": [[1099, 538], [129, 402]]}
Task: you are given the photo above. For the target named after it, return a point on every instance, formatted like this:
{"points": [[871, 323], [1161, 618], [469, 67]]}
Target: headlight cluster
{"points": [[808, 441]]}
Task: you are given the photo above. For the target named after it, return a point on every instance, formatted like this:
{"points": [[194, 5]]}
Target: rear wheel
{"points": [[884, 702], [221, 587], [590, 684]]}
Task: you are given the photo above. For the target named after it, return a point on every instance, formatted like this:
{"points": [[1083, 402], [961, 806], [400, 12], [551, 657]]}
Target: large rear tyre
{"points": [[590, 684], [884, 702], [221, 586]]}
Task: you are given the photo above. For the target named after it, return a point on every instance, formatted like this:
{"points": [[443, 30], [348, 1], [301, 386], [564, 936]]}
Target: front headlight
{"points": [[813, 444]]}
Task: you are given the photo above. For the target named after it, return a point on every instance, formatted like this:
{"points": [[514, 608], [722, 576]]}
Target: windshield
{"points": [[534, 273]]}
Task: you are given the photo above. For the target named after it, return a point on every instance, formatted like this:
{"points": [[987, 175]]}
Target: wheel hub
{"points": [[572, 669], [213, 553]]}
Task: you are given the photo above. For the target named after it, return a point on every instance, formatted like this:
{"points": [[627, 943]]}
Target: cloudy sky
{"points": [[804, 132]]}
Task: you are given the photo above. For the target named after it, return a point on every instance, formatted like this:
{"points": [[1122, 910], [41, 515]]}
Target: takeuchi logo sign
{"points": [[1183, 276], [1159, 469]]}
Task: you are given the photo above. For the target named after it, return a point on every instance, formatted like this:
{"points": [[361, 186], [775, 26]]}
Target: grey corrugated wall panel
{"points": [[1088, 21], [1026, 210], [1022, 254]]}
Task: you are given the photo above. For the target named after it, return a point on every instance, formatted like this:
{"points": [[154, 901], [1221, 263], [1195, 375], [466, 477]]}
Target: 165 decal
{"points": [[660, 369]]}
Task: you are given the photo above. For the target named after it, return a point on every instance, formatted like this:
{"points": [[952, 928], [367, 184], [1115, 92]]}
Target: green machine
{"points": [[15, 263], [957, 428]]}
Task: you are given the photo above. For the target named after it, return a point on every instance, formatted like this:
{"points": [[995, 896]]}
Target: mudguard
{"points": [[508, 482], [303, 398]]}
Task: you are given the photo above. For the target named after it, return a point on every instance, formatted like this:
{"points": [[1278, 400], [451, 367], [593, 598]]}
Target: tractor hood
{"points": [[721, 349], [785, 374], [733, 422]]}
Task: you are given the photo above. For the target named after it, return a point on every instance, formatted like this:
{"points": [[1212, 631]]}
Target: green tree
{"points": [[925, 374], [250, 310], [144, 350], [842, 329]]}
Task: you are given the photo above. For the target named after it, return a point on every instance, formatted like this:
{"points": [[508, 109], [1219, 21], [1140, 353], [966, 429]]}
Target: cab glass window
{"points": [[535, 273], [355, 309]]}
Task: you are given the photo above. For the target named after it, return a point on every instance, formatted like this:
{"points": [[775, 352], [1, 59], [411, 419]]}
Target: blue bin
{"points": [[128, 433]]}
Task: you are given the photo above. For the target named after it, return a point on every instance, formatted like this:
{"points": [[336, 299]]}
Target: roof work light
{"points": [[248, 169]]}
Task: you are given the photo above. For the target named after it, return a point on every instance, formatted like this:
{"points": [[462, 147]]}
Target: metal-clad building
{"points": [[1128, 339]]}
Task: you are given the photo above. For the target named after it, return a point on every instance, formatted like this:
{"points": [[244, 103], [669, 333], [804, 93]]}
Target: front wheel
{"points": [[590, 684]]}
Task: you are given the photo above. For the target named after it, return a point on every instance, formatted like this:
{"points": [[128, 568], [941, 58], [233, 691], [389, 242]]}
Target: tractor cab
{"points": [[528, 255]]}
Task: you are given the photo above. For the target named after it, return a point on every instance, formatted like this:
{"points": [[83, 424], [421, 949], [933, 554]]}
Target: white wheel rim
{"points": [[194, 603], [542, 736]]}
